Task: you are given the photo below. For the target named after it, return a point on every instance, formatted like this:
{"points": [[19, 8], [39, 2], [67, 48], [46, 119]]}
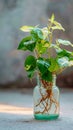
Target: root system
{"points": [[48, 99]]}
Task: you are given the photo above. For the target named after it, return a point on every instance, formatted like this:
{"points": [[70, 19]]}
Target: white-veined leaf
{"points": [[70, 63], [63, 62], [26, 28], [64, 42]]}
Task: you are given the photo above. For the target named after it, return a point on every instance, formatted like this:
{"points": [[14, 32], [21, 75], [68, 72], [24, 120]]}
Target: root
{"points": [[47, 100], [55, 103], [43, 99]]}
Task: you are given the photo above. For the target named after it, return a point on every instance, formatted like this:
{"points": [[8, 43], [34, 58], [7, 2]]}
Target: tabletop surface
{"points": [[16, 111]]}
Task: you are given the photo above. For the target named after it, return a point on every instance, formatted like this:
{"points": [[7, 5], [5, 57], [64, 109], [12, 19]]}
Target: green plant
{"points": [[40, 41]]}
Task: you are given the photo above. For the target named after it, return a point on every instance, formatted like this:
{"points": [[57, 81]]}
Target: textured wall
{"points": [[15, 13]]}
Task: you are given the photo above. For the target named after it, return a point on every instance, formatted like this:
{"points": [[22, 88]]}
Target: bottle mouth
{"points": [[46, 84]]}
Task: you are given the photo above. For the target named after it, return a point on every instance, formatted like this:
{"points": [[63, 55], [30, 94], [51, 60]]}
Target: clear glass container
{"points": [[46, 100]]}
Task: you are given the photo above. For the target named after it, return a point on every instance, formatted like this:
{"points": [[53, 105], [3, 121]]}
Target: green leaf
{"points": [[41, 49], [42, 65], [52, 18], [30, 45], [37, 34], [71, 58], [64, 42], [30, 63], [21, 44], [30, 73], [42, 46], [47, 76], [57, 26], [64, 53], [63, 62], [26, 28], [54, 66], [27, 44]]}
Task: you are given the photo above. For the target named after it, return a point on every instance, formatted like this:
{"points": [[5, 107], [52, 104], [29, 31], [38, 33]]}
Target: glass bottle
{"points": [[46, 100]]}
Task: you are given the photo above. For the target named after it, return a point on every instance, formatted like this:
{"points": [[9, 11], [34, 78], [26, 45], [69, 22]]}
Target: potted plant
{"points": [[45, 65]]}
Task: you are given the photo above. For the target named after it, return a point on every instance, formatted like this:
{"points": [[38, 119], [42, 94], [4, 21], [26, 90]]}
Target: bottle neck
{"points": [[47, 84], [54, 80], [38, 81]]}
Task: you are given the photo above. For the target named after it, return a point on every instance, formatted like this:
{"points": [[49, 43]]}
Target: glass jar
{"points": [[46, 100]]}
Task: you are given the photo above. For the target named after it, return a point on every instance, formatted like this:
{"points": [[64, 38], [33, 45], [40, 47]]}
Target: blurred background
{"points": [[13, 15]]}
